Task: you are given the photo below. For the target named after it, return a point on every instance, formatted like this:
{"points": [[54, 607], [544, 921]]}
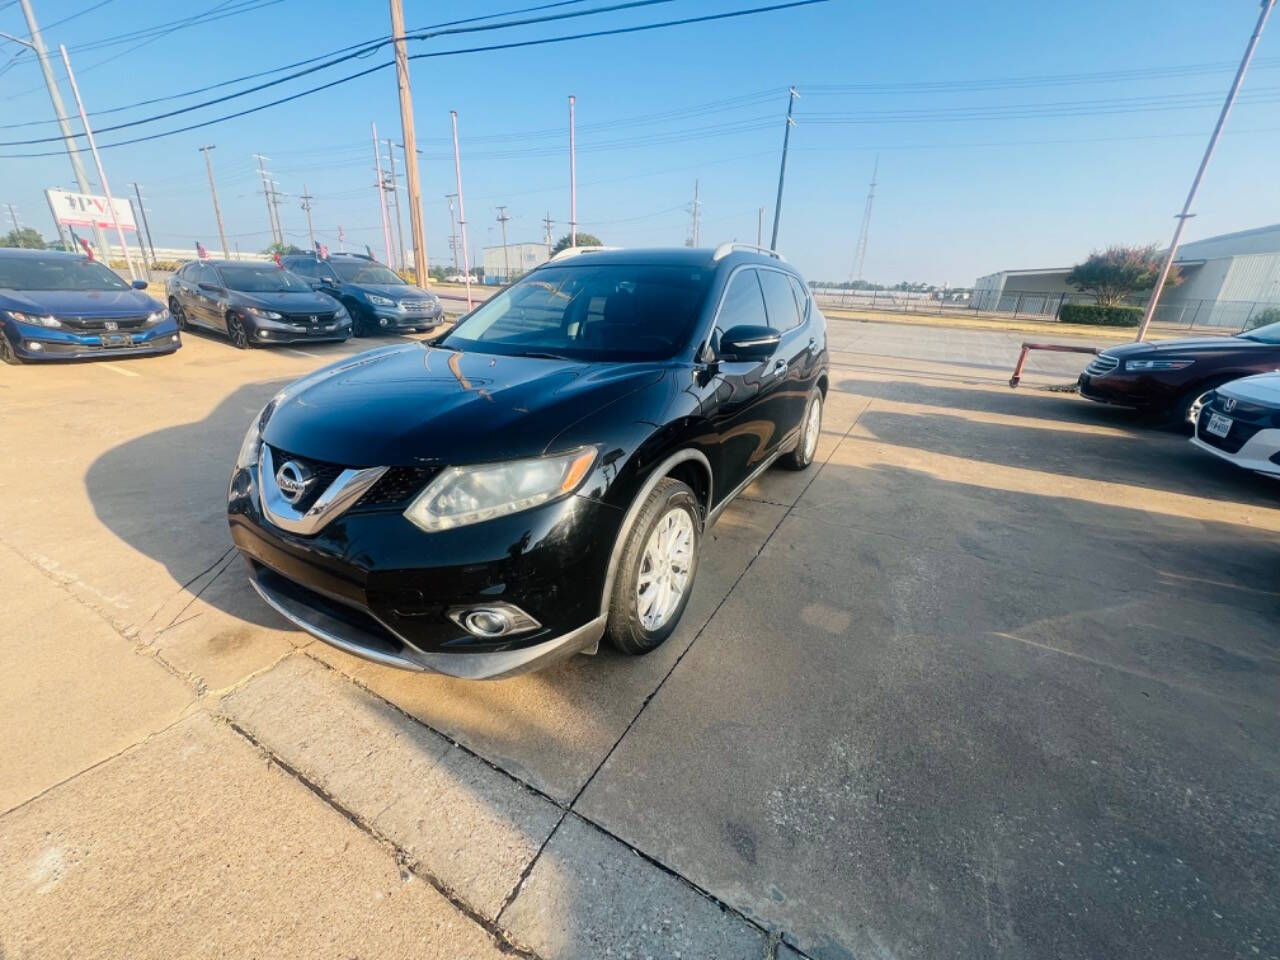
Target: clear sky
{"points": [[999, 145]]}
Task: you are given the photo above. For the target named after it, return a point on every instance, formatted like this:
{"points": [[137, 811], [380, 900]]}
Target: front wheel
{"points": [[236, 332], [179, 315], [7, 353], [655, 575], [1186, 413], [810, 430]]}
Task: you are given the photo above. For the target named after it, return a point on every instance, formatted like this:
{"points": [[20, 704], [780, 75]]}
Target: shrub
{"points": [[1100, 316], [1270, 315]]}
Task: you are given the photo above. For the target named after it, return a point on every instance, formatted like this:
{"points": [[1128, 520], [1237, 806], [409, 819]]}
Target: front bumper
{"points": [[262, 330], [31, 342], [1123, 389], [393, 318], [373, 584], [1251, 443]]}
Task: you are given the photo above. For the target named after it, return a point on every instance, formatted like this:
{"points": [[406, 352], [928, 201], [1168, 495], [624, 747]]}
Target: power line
{"points": [[448, 53]]}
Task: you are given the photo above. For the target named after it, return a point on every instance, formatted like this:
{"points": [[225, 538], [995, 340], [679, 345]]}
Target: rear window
{"points": [[581, 312], [57, 273]]}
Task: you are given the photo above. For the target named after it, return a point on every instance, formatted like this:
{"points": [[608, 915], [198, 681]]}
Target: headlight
{"points": [[463, 495], [265, 314], [251, 447], [1157, 364], [341, 313], [378, 301], [39, 321], [158, 316]]}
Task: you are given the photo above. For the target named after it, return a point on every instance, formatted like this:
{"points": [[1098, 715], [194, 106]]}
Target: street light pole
{"points": [[382, 194], [462, 214], [506, 262], [59, 110], [142, 212], [782, 170], [102, 174], [395, 200], [573, 178], [217, 211], [1186, 214]]}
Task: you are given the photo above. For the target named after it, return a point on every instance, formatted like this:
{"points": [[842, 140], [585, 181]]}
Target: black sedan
{"points": [[541, 476], [253, 303], [378, 299]]}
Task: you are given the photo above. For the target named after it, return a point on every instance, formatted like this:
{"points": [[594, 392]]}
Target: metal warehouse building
{"points": [[1227, 280], [514, 258]]}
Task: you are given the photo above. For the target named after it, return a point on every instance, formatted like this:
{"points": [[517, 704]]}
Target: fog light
{"points": [[265, 334], [174, 338], [493, 620], [32, 345], [382, 322]]}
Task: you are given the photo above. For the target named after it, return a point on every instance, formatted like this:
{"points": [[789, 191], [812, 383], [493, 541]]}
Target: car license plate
{"points": [[116, 340], [1219, 425]]}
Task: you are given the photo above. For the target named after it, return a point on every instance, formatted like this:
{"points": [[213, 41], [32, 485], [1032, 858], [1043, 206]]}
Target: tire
{"points": [[179, 315], [7, 353], [670, 511], [810, 430], [1189, 404], [237, 333], [360, 321]]}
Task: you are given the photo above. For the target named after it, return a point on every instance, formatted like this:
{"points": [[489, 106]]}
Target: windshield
{"points": [[581, 312], [263, 279], [357, 272], [1268, 334], [57, 273]]}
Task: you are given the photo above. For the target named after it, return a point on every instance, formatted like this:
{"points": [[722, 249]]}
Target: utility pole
{"points": [[342, 240], [142, 212], [306, 205], [36, 44], [547, 222], [276, 197], [453, 230], [782, 170], [382, 194], [506, 262], [17, 228], [395, 199], [102, 174], [410, 139], [217, 211], [860, 253], [696, 205], [760, 227], [266, 195], [573, 179], [1186, 214], [462, 216]]}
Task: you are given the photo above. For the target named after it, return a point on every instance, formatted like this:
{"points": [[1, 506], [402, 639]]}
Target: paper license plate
{"points": [[1219, 425]]}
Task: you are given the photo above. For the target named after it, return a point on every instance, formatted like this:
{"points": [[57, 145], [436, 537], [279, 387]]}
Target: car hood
{"points": [[301, 302], [1263, 388], [79, 303], [394, 291], [1189, 346], [415, 405]]}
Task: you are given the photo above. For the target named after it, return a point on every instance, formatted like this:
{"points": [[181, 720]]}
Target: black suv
{"points": [[253, 303], [541, 476], [378, 298]]}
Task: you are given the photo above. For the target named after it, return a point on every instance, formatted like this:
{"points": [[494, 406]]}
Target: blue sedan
{"points": [[63, 306]]}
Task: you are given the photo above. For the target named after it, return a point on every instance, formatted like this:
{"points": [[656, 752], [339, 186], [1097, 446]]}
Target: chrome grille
{"points": [[100, 323], [1101, 364], [416, 306]]}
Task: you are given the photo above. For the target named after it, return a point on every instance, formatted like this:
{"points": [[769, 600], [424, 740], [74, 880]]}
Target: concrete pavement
{"points": [[996, 677]]}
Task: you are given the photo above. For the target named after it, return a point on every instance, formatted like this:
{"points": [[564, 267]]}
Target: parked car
{"points": [[541, 476], [378, 298], [460, 278], [254, 303], [1173, 378], [1240, 422], [62, 306]]}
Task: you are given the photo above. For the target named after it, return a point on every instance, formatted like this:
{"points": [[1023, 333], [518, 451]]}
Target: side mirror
{"points": [[210, 288], [139, 284], [748, 342]]}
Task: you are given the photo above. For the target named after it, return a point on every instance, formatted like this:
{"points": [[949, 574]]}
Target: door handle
{"points": [[812, 343], [780, 368]]}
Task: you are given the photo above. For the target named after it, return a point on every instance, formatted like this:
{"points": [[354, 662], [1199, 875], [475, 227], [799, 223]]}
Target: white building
{"points": [[502, 264], [1226, 279]]}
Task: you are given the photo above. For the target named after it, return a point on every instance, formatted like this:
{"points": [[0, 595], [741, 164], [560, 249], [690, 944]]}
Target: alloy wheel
{"points": [[812, 428], [178, 314], [236, 332], [1193, 411], [7, 354], [665, 568]]}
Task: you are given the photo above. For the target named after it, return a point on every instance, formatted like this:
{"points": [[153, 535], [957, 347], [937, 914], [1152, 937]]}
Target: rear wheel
{"points": [[236, 332], [179, 315], [810, 430], [655, 575]]}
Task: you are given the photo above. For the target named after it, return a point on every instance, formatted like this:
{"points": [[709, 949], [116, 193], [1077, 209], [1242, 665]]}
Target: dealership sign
{"points": [[88, 210]]}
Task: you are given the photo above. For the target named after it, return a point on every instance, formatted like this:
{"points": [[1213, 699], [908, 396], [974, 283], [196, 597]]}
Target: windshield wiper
{"points": [[542, 355]]}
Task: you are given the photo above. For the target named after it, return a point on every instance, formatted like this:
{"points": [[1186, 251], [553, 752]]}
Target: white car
{"points": [[459, 278], [1241, 423]]}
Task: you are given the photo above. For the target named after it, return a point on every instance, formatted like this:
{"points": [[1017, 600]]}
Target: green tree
{"points": [[27, 237], [284, 249], [584, 240], [1117, 272]]}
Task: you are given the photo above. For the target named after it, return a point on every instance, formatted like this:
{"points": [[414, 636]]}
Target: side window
{"points": [[780, 300], [328, 273], [743, 302], [303, 267], [209, 275], [802, 297]]}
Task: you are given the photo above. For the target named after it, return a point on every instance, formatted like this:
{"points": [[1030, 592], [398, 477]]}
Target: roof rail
{"points": [[568, 252], [725, 249]]}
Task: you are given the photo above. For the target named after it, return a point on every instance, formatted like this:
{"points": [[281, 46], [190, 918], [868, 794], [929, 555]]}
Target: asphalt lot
{"points": [[998, 676]]}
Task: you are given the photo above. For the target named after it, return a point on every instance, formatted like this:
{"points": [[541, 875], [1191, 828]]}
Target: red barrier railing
{"points": [[1053, 348]]}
